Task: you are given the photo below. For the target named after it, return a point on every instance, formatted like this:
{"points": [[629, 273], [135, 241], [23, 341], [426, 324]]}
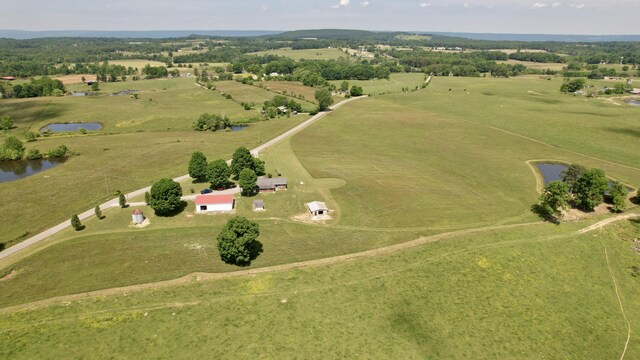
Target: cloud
{"points": [[364, 4], [556, 4], [539, 5], [578, 6], [342, 3], [466, 5], [264, 7], [424, 5]]}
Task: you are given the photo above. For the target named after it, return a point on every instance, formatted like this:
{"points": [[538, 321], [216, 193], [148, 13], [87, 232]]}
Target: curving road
{"points": [[114, 202]]}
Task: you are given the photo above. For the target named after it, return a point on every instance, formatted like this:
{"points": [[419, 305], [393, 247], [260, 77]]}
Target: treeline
{"points": [[537, 57], [35, 87], [458, 63]]}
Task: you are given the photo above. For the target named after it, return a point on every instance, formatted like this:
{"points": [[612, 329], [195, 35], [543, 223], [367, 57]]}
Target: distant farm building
{"points": [[272, 184], [317, 208], [8, 78], [635, 91], [137, 217], [213, 203], [258, 205]]}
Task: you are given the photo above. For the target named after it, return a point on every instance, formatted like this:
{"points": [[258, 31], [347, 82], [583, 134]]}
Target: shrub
{"points": [[33, 154]]}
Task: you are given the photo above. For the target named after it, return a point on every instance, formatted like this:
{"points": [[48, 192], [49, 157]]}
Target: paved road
{"points": [[114, 203]]}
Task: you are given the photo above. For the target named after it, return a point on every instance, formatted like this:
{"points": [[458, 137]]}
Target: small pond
{"points": [[238, 127], [69, 127], [14, 170], [551, 172], [634, 102]]}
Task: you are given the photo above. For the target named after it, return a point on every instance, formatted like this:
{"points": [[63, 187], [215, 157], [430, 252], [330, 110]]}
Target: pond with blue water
{"points": [[70, 127], [14, 170], [551, 172]]}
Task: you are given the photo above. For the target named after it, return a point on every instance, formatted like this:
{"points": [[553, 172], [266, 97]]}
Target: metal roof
{"points": [[264, 182], [317, 206], [214, 199]]}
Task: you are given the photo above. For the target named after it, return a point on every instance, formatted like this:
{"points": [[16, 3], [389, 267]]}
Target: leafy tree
{"points": [[198, 166], [75, 222], [573, 85], [571, 174], [12, 149], [323, 96], [248, 179], [237, 242], [211, 122], [589, 189], [95, 86], [258, 166], [98, 212], [6, 122], [241, 160], [344, 86], [33, 154], [30, 136], [147, 198], [356, 91], [60, 151], [555, 198], [618, 194], [122, 201], [218, 173], [165, 196]]}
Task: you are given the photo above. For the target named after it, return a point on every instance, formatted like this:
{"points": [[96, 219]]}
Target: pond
{"points": [[634, 102], [551, 172], [69, 127], [238, 127], [14, 170]]}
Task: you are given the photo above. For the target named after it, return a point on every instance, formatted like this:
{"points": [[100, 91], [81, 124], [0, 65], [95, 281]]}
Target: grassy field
{"points": [[392, 168], [535, 65], [307, 54], [395, 83], [539, 292], [256, 95], [136, 63], [142, 140]]}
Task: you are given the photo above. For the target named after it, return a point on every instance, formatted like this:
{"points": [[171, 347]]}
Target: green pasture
{"points": [[307, 54], [142, 140], [394, 84], [253, 94], [532, 292]]}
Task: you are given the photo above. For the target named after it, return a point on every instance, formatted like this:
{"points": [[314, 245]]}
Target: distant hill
{"points": [[541, 37], [156, 34], [336, 34]]}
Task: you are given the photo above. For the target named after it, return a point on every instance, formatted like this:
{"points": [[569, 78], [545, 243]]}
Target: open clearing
{"points": [[535, 65], [253, 94], [396, 82], [307, 54], [136, 63], [392, 168]]}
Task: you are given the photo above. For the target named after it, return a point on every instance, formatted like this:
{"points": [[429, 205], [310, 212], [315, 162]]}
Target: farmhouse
{"points": [[317, 208], [8, 78], [214, 203], [271, 184]]}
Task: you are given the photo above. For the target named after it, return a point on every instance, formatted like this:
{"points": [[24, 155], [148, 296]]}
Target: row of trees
{"points": [[583, 188], [13, 149], [43, 86], [244, 167], [211, 122]]}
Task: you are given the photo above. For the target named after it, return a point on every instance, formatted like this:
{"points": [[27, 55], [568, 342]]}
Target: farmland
{"points": [[431, 248], [307, 54]]}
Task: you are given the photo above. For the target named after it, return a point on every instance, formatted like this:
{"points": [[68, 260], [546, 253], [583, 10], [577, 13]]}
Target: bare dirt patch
{"points": [[308, 219], [9, 276], [575, 214]]}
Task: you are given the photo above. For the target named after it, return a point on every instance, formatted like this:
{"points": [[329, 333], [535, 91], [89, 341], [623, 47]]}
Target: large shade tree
{"points": [[554, 198], [218, 173], [242, 159], [589, 189], [165, 196], [237, 242], [198, 166]]}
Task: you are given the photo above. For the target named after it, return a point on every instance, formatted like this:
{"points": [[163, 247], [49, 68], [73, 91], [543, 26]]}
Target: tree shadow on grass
{"points": [[81, 228], [543, 214], [183, 205]]}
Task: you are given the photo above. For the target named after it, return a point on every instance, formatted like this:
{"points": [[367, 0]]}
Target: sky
{"points": [[594, 17]]}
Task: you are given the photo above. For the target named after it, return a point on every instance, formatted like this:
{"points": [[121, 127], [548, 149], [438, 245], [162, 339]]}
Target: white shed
{"points": [[212, 203], [317, 208]]}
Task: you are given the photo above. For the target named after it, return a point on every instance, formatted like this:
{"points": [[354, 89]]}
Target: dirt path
{"points": [[624, 314], [114, 202], [603, 223], [284, 267]]}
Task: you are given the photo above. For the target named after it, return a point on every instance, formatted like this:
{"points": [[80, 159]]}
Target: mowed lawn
{"points": [[533, 292], [394, 84], [142, 141], [253, 94], [307, 54]]}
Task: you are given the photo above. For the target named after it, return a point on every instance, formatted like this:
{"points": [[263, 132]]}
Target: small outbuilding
{"points": [[8, 78], [258, 205], [137, 217], [317, 208], [214, 203], [272, 184]]}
